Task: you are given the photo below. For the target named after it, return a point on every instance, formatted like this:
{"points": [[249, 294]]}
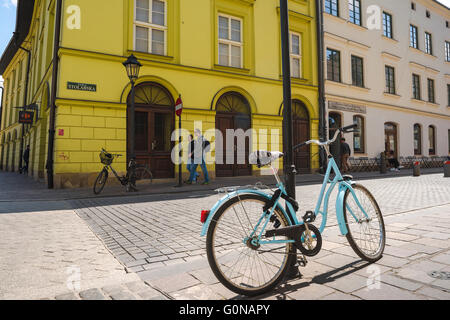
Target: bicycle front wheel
{"points": [[240, 264], [100, 182], [366, 232], [144, 176]]}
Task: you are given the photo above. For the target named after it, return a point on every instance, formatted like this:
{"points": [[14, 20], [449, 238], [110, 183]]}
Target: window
{"points": [[296, 55], [431, 97], [428, 14], [413, 37], [230, 41], [428, 43], [354, 7], [390, 80], [417, 139], [447, 24], [447, 51], [151, 26], [387, 25], [432, 140], [413, 6], [333, 65], [358, 135], [357, 71], [416, 86], [332, 7]]}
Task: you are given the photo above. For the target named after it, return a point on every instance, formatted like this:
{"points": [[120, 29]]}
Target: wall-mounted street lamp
{"points": [[132, 65]]}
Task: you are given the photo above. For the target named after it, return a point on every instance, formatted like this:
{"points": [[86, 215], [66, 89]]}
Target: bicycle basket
{"points": [[106, 158]]}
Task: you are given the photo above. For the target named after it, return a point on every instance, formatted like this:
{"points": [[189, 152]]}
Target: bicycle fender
{"points": [[340, 209], [228, 197]]}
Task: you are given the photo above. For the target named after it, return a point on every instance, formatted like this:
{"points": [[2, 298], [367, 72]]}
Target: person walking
{"points": [[190, 160], [201, 146], [345, 154], [26, 159]]}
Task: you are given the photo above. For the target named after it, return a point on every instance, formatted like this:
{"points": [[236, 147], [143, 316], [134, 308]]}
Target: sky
{"points": [[8, 22]]}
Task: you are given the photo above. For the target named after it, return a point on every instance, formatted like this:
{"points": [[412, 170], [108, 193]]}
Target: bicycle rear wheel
{"points": [[240, 265], [366, 232], [100, 182], [144, 176]]}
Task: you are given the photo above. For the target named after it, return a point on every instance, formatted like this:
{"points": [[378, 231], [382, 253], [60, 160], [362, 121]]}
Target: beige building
{"points": [[388, 67]]}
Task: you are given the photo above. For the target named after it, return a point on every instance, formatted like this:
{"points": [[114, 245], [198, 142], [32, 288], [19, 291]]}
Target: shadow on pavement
{"points": [[282, 291], [19, 193]]}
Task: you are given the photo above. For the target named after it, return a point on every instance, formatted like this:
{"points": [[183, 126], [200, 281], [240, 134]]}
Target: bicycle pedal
{"points": [[309, 217], [301, 260]]}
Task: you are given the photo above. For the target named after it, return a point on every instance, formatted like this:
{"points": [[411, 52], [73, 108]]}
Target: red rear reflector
{"points": [[204, 216], [416, 163], [447, 162]]}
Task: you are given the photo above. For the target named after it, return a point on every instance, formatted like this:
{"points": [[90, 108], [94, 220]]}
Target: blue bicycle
{"points": [[252, 240]]}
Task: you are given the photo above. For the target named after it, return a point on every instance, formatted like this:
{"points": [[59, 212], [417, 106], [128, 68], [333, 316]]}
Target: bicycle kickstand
{"points": [[131, 188], [302, 260]]}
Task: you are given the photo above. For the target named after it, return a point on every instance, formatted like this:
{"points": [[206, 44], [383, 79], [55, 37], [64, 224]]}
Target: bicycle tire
{"points": [[100, 182], [144, 176], [351, 235], [289, 252]]}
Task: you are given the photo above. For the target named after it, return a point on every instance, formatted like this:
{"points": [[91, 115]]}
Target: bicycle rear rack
{"points": [[257, 186]]}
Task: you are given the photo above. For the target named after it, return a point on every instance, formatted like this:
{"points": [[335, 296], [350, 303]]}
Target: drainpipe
{"points": [[24, 102], [51, 130], [321, 74]]}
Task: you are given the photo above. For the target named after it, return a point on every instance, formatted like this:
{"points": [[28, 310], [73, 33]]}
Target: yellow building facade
{"points": [[222, 56]]}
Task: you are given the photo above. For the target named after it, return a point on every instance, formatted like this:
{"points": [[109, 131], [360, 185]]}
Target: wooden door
{"points": [[224, 166], [390, 138], [154, 124], [242, 152], [302, 155], [233, 112]]}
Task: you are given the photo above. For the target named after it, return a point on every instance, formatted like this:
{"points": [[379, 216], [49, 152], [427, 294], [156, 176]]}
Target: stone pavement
{"points": [[158, 237], [160, 254], [46, 253]]}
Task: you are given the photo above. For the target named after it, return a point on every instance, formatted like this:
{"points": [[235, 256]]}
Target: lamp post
{"points": [[132, 65]]}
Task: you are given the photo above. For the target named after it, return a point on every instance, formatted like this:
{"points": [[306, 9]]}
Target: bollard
{"points": [[416, 169], [446, 169], [383, 167]]}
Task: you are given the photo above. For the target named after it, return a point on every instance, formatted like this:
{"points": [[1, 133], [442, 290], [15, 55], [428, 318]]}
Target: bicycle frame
{"points": [[122, 180], [323, 201]]}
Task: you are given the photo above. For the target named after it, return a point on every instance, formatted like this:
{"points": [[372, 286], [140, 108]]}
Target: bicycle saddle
{"points": [[264, 158]]}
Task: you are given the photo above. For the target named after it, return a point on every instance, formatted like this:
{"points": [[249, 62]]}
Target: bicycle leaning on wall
{"points": [[137, 174], [251, 240]]}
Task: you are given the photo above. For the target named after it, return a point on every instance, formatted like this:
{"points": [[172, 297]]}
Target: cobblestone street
{"points": [[149, 247]]}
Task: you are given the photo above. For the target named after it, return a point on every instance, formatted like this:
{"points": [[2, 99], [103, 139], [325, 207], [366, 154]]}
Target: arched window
{"points": [[417, 139], [358, 136], [432, 140]]}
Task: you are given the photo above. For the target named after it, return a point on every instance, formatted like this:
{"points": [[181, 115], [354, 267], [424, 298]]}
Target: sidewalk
{"points": [[20, 187]]}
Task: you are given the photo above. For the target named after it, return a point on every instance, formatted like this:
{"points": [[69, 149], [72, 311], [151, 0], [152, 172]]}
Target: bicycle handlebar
{"points": [[347, 129]]}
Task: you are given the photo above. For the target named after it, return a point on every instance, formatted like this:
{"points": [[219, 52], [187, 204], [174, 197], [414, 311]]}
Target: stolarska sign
{"points": [[81, 86]]}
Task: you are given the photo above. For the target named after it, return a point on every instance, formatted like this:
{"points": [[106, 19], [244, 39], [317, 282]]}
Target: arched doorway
{"points": [[8, 146], [334, 123], [233, 112], [13, 158], [390, 138], [2, 147], [301, 130], [154, 124]]}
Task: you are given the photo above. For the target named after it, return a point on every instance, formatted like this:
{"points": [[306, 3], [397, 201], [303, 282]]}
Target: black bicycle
{"points": [[137, 174]]}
